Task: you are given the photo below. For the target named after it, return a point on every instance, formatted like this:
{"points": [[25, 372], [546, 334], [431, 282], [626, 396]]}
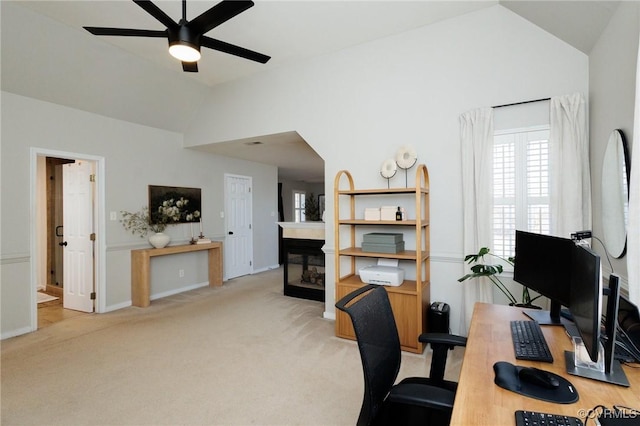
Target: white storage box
{"points": [[388, 212], [386, 272], [371, 213]]}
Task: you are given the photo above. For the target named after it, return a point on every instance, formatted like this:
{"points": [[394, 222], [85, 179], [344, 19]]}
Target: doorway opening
{"points": [[54, 228], [58, 256], [51, 290]]}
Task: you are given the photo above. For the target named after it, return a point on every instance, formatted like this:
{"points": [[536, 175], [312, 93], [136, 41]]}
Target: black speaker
{"points": [[438, 316]]}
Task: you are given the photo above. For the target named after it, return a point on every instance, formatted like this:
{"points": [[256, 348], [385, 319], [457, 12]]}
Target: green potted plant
{"points": [[139, 223], [481, 269]]}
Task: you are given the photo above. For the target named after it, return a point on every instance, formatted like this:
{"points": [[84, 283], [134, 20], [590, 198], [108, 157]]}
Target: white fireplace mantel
{"points": [[303, 230]]}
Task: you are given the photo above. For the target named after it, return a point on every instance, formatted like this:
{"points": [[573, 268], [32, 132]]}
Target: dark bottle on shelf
{"points": [[399, 214]]}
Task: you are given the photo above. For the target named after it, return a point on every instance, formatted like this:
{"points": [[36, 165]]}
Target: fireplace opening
{"points": [[304, 271]]}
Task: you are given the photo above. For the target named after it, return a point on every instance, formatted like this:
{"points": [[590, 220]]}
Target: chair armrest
{"points": [[422, 395], [443, 339], [441, 343], [342, 303]]}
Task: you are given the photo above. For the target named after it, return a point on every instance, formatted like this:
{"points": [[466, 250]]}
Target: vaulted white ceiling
{"points": [[288, 31], [46, 53]]}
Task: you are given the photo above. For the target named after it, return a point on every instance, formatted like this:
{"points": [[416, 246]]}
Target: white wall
{"points": [[135, 157], [358, 106], [612, 79]]}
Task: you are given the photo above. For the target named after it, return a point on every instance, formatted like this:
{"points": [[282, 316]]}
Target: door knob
{"points": [[64, 243], [230, 232]]}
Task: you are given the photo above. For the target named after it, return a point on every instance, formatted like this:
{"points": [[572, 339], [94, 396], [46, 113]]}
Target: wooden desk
{"points": [[479, 401], [141, 268]]}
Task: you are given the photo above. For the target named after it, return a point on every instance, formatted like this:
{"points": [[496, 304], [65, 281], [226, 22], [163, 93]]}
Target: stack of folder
{"points": [[380, 242]]}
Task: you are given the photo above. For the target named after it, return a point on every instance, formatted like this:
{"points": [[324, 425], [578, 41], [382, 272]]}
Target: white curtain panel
{"points": [[633, 233], [569, 165], [476, 139]]}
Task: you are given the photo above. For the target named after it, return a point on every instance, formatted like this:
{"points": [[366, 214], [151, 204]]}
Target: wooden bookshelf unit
{"points": [[410, 300]]}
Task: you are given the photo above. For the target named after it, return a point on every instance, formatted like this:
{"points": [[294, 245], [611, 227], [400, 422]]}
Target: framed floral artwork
{"points": [[172, 204]]}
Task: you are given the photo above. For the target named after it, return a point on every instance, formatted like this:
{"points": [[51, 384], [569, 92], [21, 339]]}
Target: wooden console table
{"points": [[141, 268]]}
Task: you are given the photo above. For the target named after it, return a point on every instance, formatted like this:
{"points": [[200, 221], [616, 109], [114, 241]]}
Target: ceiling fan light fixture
{"points": [[184, 44], [187, 37], [184, 51]]}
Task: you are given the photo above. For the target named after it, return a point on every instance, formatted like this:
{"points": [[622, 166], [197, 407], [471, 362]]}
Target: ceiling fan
{"points": [[187, 37]]}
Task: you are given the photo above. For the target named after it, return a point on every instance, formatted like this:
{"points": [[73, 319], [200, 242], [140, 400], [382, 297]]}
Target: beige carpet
{"points": [[241, 354]]}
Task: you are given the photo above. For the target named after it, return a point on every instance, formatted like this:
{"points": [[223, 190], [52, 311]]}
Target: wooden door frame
{"points": [[36, 231]]}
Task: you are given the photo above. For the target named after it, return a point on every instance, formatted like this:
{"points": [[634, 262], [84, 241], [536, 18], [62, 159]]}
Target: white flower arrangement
{"points": [[170, 212]]}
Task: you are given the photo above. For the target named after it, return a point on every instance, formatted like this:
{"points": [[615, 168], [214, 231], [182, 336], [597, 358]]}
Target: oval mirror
{"points": [[615, 194]]}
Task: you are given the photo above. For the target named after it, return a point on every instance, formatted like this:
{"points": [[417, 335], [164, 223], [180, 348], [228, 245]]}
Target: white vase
{"points": [[159, 239]]}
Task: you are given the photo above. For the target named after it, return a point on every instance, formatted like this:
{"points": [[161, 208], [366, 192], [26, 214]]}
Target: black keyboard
{"points": [[528, 341], [533, 418]]}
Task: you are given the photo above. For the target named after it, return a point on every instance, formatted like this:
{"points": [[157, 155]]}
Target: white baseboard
{"points": [[122, 305], [265, 269], [17, 332]]}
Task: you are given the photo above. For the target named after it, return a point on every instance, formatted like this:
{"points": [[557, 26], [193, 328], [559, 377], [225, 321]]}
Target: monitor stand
{"points": [[616, 376], [612, 371], [551, 317]]}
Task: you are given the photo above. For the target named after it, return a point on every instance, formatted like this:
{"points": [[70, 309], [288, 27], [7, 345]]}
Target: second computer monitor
{"points": [[543, 264], [586, 298], [586, 305]]}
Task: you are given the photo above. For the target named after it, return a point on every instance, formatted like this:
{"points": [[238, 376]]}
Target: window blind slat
{"points": [[530, 149]]}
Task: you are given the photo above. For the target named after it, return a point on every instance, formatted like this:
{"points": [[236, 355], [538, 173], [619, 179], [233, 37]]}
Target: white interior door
{"points": [[77, 208], [238, 246]]}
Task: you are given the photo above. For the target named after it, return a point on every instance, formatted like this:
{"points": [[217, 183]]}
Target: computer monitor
{"points": [[585, 297], [586, 291], [542, 264]]}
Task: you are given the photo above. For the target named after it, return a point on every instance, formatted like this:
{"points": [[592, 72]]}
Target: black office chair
{"points": [[415, 400]]}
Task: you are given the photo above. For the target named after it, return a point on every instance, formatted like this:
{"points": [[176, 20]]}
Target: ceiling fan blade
{"points": [[218, 14], [190, 66], [157, 13], [233, 50], [127, 32]]}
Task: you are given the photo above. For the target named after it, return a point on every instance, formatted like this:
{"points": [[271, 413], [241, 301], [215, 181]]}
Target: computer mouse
{"points": [[538, 377]]}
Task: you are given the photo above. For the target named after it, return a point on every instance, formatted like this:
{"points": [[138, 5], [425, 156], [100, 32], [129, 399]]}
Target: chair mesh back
{"points": [[379, 345]]}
